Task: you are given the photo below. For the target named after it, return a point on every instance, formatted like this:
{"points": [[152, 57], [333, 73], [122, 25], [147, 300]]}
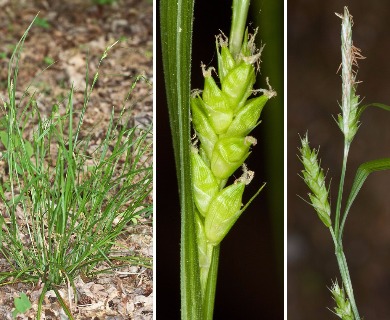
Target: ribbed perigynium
{"points": [[343, 307], [204, 130], [216, 103], [226, 61], [205, 185], [247, 118], [229, 154], [349, 120], [225, 209], [313, 176]]}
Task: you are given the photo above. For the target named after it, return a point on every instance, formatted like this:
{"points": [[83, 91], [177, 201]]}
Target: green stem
{"points": [[341, 188], [337, 238], [240, 13], [209, 297]]}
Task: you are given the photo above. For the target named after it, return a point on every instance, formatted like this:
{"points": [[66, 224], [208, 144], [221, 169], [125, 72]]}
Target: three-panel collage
{"points": [[194, 160]]}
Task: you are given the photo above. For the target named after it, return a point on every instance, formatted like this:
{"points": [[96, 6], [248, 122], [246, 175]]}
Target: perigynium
{"points": [[313, 175], [64, 203]]}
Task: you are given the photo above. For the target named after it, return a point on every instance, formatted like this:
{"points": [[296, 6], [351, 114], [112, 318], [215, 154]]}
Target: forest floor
{"points": [[71, 34]]}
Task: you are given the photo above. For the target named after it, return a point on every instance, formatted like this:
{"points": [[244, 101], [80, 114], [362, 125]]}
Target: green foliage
{"points": [[42, 22], [22, 304], [103, 2], [176, 54], [48, 60], [66, 201]]}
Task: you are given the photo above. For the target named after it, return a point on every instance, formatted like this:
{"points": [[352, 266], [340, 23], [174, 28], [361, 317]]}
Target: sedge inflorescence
{"points": [[223, 116], [348, 121], [343, 307], [313, 174], [314, 177]]}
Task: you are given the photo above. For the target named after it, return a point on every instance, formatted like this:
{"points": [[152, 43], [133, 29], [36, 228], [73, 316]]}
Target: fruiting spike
{"points": [[314, 178]]}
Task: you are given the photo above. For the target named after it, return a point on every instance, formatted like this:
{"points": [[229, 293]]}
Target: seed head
{"points": [[223, 117], [343, 309], [349, 120], [313, 176]]}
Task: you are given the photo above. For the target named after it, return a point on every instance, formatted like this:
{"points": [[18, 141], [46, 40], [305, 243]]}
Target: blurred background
{"points": [[250, 279], [314, 90]]}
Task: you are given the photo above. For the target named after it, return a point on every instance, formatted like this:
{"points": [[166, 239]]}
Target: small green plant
{"points": [[47, 60], [66, 201], [222, 117], [103, 2], [313, 175], [22, 304], [42, 22]]}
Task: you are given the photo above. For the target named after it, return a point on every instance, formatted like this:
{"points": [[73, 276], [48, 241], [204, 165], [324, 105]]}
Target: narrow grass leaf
{"points": [[176, 37], [375, 104], [361, 175]]}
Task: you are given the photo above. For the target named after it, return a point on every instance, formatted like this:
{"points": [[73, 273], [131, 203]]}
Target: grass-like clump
{"points": [[64, 202]]}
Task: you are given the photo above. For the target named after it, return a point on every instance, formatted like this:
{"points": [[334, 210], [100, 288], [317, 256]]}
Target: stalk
{"points": [[209, 298], [337, 236], [240, 13], [349, 124], [341, 188]]}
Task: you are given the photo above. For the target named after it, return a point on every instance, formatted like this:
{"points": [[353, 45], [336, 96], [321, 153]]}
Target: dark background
{"points": [[314, 90], [250, 279]]}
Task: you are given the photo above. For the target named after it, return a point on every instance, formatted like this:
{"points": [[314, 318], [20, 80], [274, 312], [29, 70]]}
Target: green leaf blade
{"points": [[361, 175], [176, 37]]}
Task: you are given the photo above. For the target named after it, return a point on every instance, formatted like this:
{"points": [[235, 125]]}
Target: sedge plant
{"points": [[314, 177], [222, 116], [64, 202]]}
